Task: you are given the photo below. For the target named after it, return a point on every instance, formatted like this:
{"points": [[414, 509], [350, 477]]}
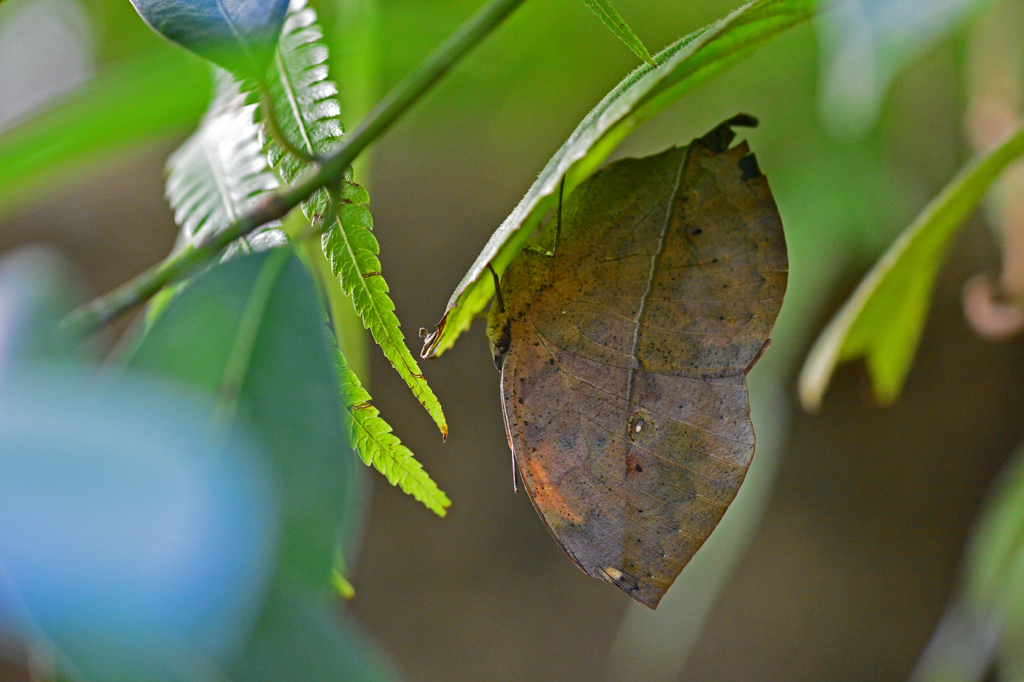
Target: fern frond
{"points": [[306, 109], [220, 171], [380, 448]]}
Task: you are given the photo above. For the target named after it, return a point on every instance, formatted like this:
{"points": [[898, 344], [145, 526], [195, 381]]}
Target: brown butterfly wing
{"points": [[624, 384]]}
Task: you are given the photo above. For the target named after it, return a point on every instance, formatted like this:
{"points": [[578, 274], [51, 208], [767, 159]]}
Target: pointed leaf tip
{"points": [[617, 25], [380, 448], [883, 321]]}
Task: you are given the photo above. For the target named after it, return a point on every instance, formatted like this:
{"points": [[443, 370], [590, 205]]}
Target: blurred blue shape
{"points": [[239, 35], [139, 547]]}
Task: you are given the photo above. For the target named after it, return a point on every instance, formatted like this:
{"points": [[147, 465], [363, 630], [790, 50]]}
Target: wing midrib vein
{"points": [[655, 259]]}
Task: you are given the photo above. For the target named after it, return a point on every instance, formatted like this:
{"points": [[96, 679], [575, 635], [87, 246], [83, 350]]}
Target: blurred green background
{"points": [[865, 510]]}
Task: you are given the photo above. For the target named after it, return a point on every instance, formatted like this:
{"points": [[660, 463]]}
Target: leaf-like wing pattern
{"points": [[624, 385]]}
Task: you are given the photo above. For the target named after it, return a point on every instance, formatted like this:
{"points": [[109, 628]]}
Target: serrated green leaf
{"points": [[380, 448], [681, 67], [355, 194], [220, 172], [352, 251], [883, 319], [617, 25], [307, 110], [305, 99]]}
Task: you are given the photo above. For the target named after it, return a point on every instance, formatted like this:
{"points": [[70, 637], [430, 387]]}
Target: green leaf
{"points": [[342, 587], [221, 172], [994, 571], [306, 107], [156, 93], [883, 319], [618, 26], [305, 100], [380, 448], [995, 552], [239, 35], [249, 334], [682, 67], [352, 251]]}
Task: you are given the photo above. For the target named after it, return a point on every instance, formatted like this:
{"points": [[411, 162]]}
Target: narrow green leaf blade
{"points": [[160, 92], [682, 67], [617, 25], [995, 552], [883, 319], [994, 570], [306, 107], [249, 334], [380, 448]]}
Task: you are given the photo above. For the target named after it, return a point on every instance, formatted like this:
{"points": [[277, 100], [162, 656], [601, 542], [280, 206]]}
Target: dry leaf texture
{"points": [[624, 356]]}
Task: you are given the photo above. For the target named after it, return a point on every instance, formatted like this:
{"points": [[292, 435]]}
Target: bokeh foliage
{"points": [[126, 105]]}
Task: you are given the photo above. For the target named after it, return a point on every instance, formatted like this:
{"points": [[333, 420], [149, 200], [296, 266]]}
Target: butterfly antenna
{"points": [[558, 217], [497, 289]]}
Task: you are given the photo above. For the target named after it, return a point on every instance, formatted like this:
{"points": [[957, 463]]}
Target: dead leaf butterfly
{"points": [[624, 351]]}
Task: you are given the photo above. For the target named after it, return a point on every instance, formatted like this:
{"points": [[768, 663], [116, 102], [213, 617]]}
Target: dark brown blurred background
{"points": [[851, 564]]}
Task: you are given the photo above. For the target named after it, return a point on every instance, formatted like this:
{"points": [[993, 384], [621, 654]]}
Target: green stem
{"points": [[142, 287]]}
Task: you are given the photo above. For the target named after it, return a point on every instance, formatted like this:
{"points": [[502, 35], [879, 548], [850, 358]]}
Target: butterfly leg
{"points": [[506, 398], [532, 248], [558, 217]]}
